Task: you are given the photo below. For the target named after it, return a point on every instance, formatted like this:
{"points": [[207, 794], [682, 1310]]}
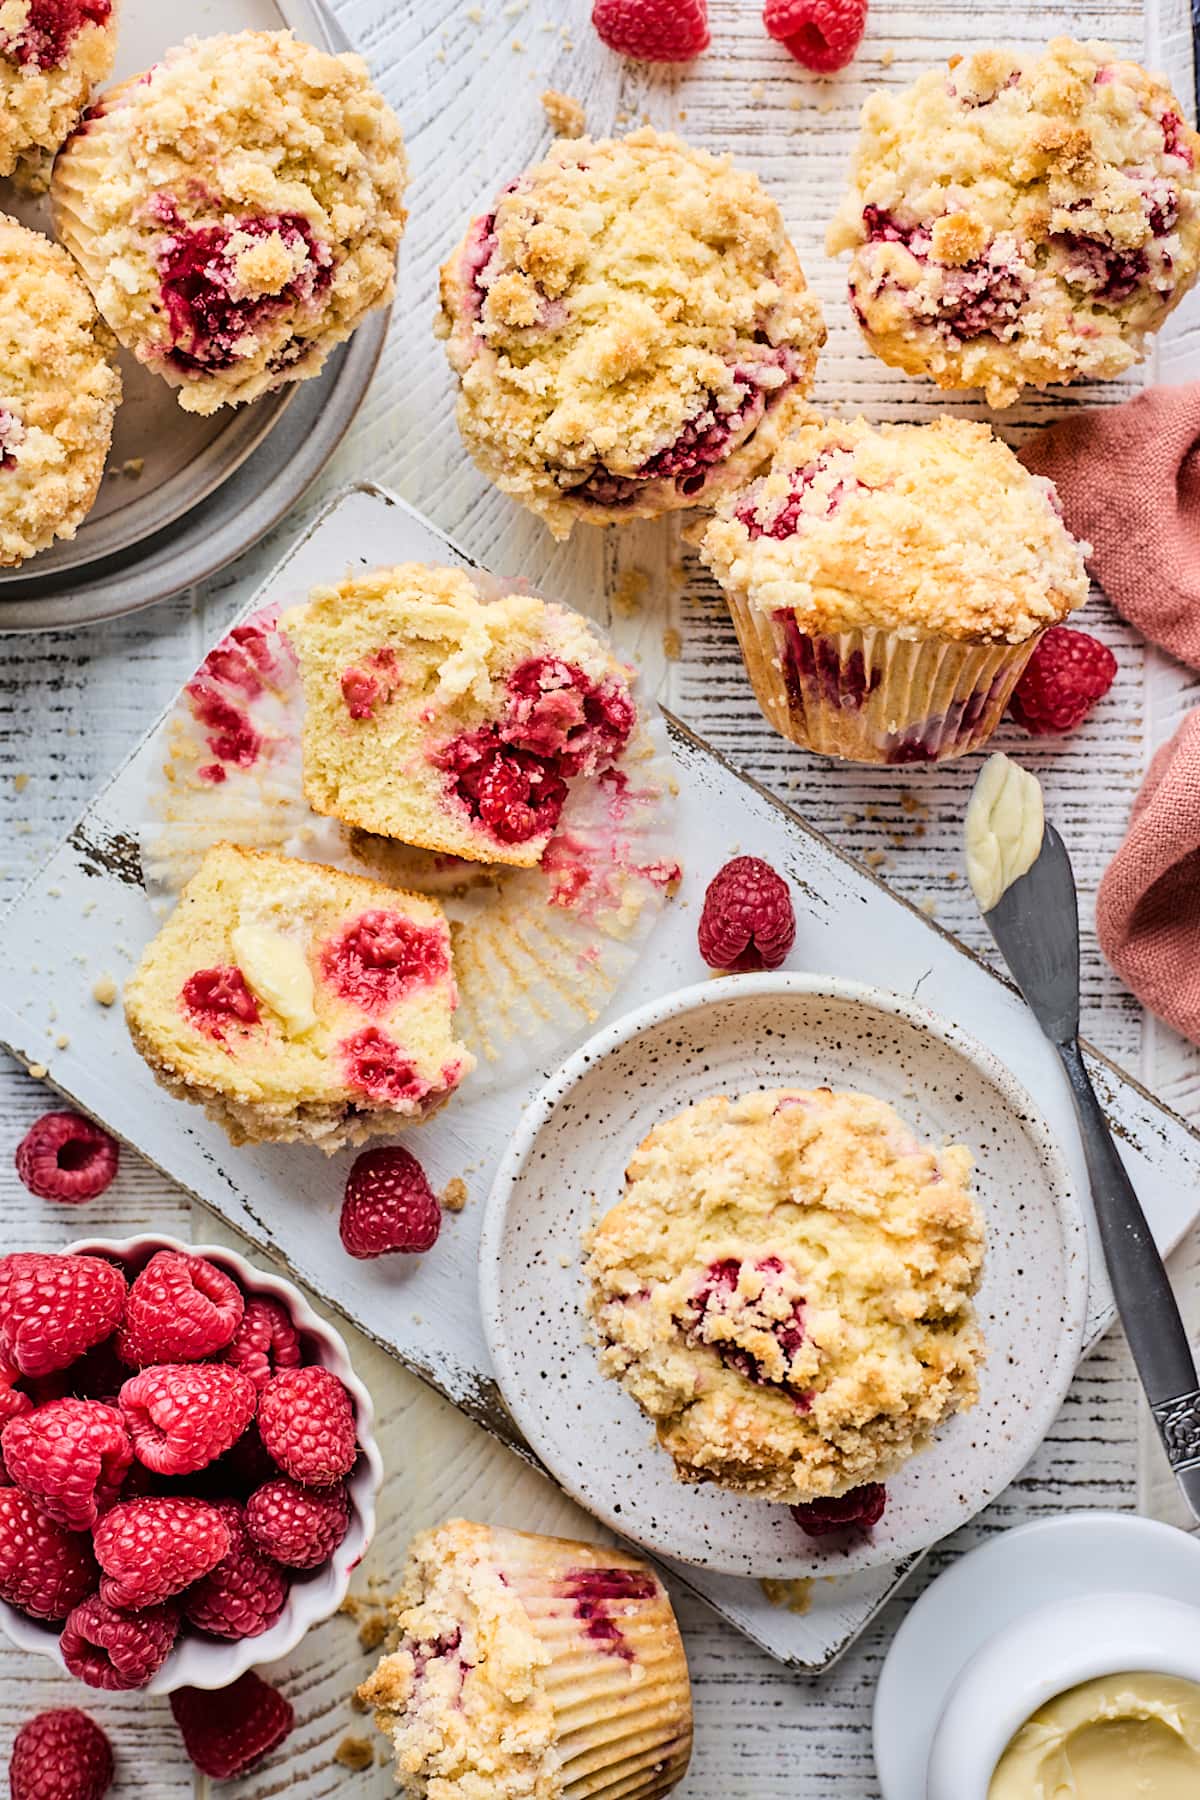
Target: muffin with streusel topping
{"points": [[1021, 219], [236, 211], [59, 388], [889, 583], [786, 1290], [52, 53], [531, 1668], [631, 330]]}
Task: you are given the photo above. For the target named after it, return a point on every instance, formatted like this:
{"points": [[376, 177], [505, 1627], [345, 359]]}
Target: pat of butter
{"points": [[275, 969], [1119, 1737], [1004, 828]]}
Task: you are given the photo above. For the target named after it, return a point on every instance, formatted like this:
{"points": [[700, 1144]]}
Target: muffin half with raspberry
{"points": [[297, 1003], [1020, 219], [786, 1290], [451, 721], [630, 328], [889, 584], [59, 389], [52, 53], [236, 210], [523, 1666]]}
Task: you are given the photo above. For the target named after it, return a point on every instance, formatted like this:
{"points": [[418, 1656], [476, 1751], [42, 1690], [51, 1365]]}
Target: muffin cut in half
{"points": [[786, 1290], [236, 211], [296, 1003], [531, 1668], [450, 721], [52, 53]]}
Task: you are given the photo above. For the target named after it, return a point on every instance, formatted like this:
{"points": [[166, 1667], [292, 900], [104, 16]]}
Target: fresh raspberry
{"points": [[821, 34], [66, 1157], [180, 1309], [748, 921], [53, 1308], [182, 1416], [859, 1510], [14, 1401], [246, 1592], [298, 1526], [70, 1457], [388, 1205], [1063, 679], [112, 1649], [44, 1570], [60, 1755], [306, 1421], [227, 1731], [149, 1549], [265, 1342], [653, 30]]}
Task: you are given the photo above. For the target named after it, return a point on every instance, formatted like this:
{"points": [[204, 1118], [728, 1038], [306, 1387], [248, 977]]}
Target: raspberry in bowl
{"points": [[52, 53], [192, 1466]]}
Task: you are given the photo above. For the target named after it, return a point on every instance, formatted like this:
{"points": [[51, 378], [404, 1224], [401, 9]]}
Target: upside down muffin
{"points": [[297, 1003], [531, 1668], [786, 1291], [236, 211], [630, 328], [1019, 219], [52, 52]]}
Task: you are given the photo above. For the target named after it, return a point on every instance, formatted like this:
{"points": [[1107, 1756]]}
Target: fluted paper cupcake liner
{"points": [[80, 167]]}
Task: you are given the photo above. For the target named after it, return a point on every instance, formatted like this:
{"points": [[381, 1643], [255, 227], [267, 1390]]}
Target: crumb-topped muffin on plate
{"points": [[59, 388], [297, 1003], [52, 52], [236, 211], [531, 1668], [889, 583], [630, 327], [449, 720], [1019, 219], [786, 1290]]}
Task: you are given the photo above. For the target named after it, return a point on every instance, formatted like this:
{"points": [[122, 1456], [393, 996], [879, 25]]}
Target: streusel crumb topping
{"points": [[52, 53]]}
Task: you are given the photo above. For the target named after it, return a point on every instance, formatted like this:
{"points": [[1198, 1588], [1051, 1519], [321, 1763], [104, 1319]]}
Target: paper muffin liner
{"points": [[873, 696], [538, 953], [82, 164]]}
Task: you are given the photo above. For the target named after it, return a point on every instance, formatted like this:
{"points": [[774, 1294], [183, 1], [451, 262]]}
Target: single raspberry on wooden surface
{"points": [[182, 1416], [859, 1510], [180, 1308], [112, 1649], [388, 1205], [53, 1308], [150, 1549], [246, 1592], [821, 34], [1063, 679], [653, 30], [226, 1732], [264, 1342], [44, 1569], [306, 1422], [60, 1755], [71, 1457], [748, 920], [67, 1157], [298, 1526]]}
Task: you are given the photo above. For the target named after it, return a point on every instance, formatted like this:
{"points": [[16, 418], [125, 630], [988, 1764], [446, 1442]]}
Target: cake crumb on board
{"points": [[794, 1596], [454, 1194], [355, 1753], [104, 989], [565, 114]]}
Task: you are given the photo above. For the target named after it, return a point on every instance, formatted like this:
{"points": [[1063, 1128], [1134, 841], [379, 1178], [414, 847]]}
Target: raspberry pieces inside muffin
{"points": [[630, 328], [786, 1290]]}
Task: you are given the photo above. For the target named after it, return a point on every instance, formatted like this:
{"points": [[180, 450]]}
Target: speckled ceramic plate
{"points": [[565, 1168]]}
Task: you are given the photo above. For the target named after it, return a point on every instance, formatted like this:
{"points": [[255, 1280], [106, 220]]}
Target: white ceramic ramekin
{"points": [[204, 1663]]}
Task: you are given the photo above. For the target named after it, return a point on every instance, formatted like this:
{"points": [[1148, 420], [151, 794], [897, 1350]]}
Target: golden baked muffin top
{"points": [[1017, 219], [628, 317], [786, 1290], [52, 53], [927, 530]]}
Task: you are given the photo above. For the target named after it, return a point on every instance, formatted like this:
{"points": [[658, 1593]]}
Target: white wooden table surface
{"points": [[466, 81]]}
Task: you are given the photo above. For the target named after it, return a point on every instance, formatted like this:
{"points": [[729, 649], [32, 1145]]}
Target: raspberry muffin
{"points": [[889, 583], [451, 721], [236, 211], [531, 1668], [52, 52], [1016, 220], [786, 1290], [296, 1003], [59, 389], [631, 330]]}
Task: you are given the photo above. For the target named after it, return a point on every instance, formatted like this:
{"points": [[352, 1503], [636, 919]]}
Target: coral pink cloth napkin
{"points": [[1128, 477]]}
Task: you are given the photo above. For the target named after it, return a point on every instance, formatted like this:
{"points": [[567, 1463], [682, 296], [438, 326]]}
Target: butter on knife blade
{"points": [[1004, 828]]}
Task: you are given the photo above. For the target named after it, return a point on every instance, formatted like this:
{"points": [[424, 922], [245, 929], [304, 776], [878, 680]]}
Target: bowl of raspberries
{"points": [[187, 1467]]}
